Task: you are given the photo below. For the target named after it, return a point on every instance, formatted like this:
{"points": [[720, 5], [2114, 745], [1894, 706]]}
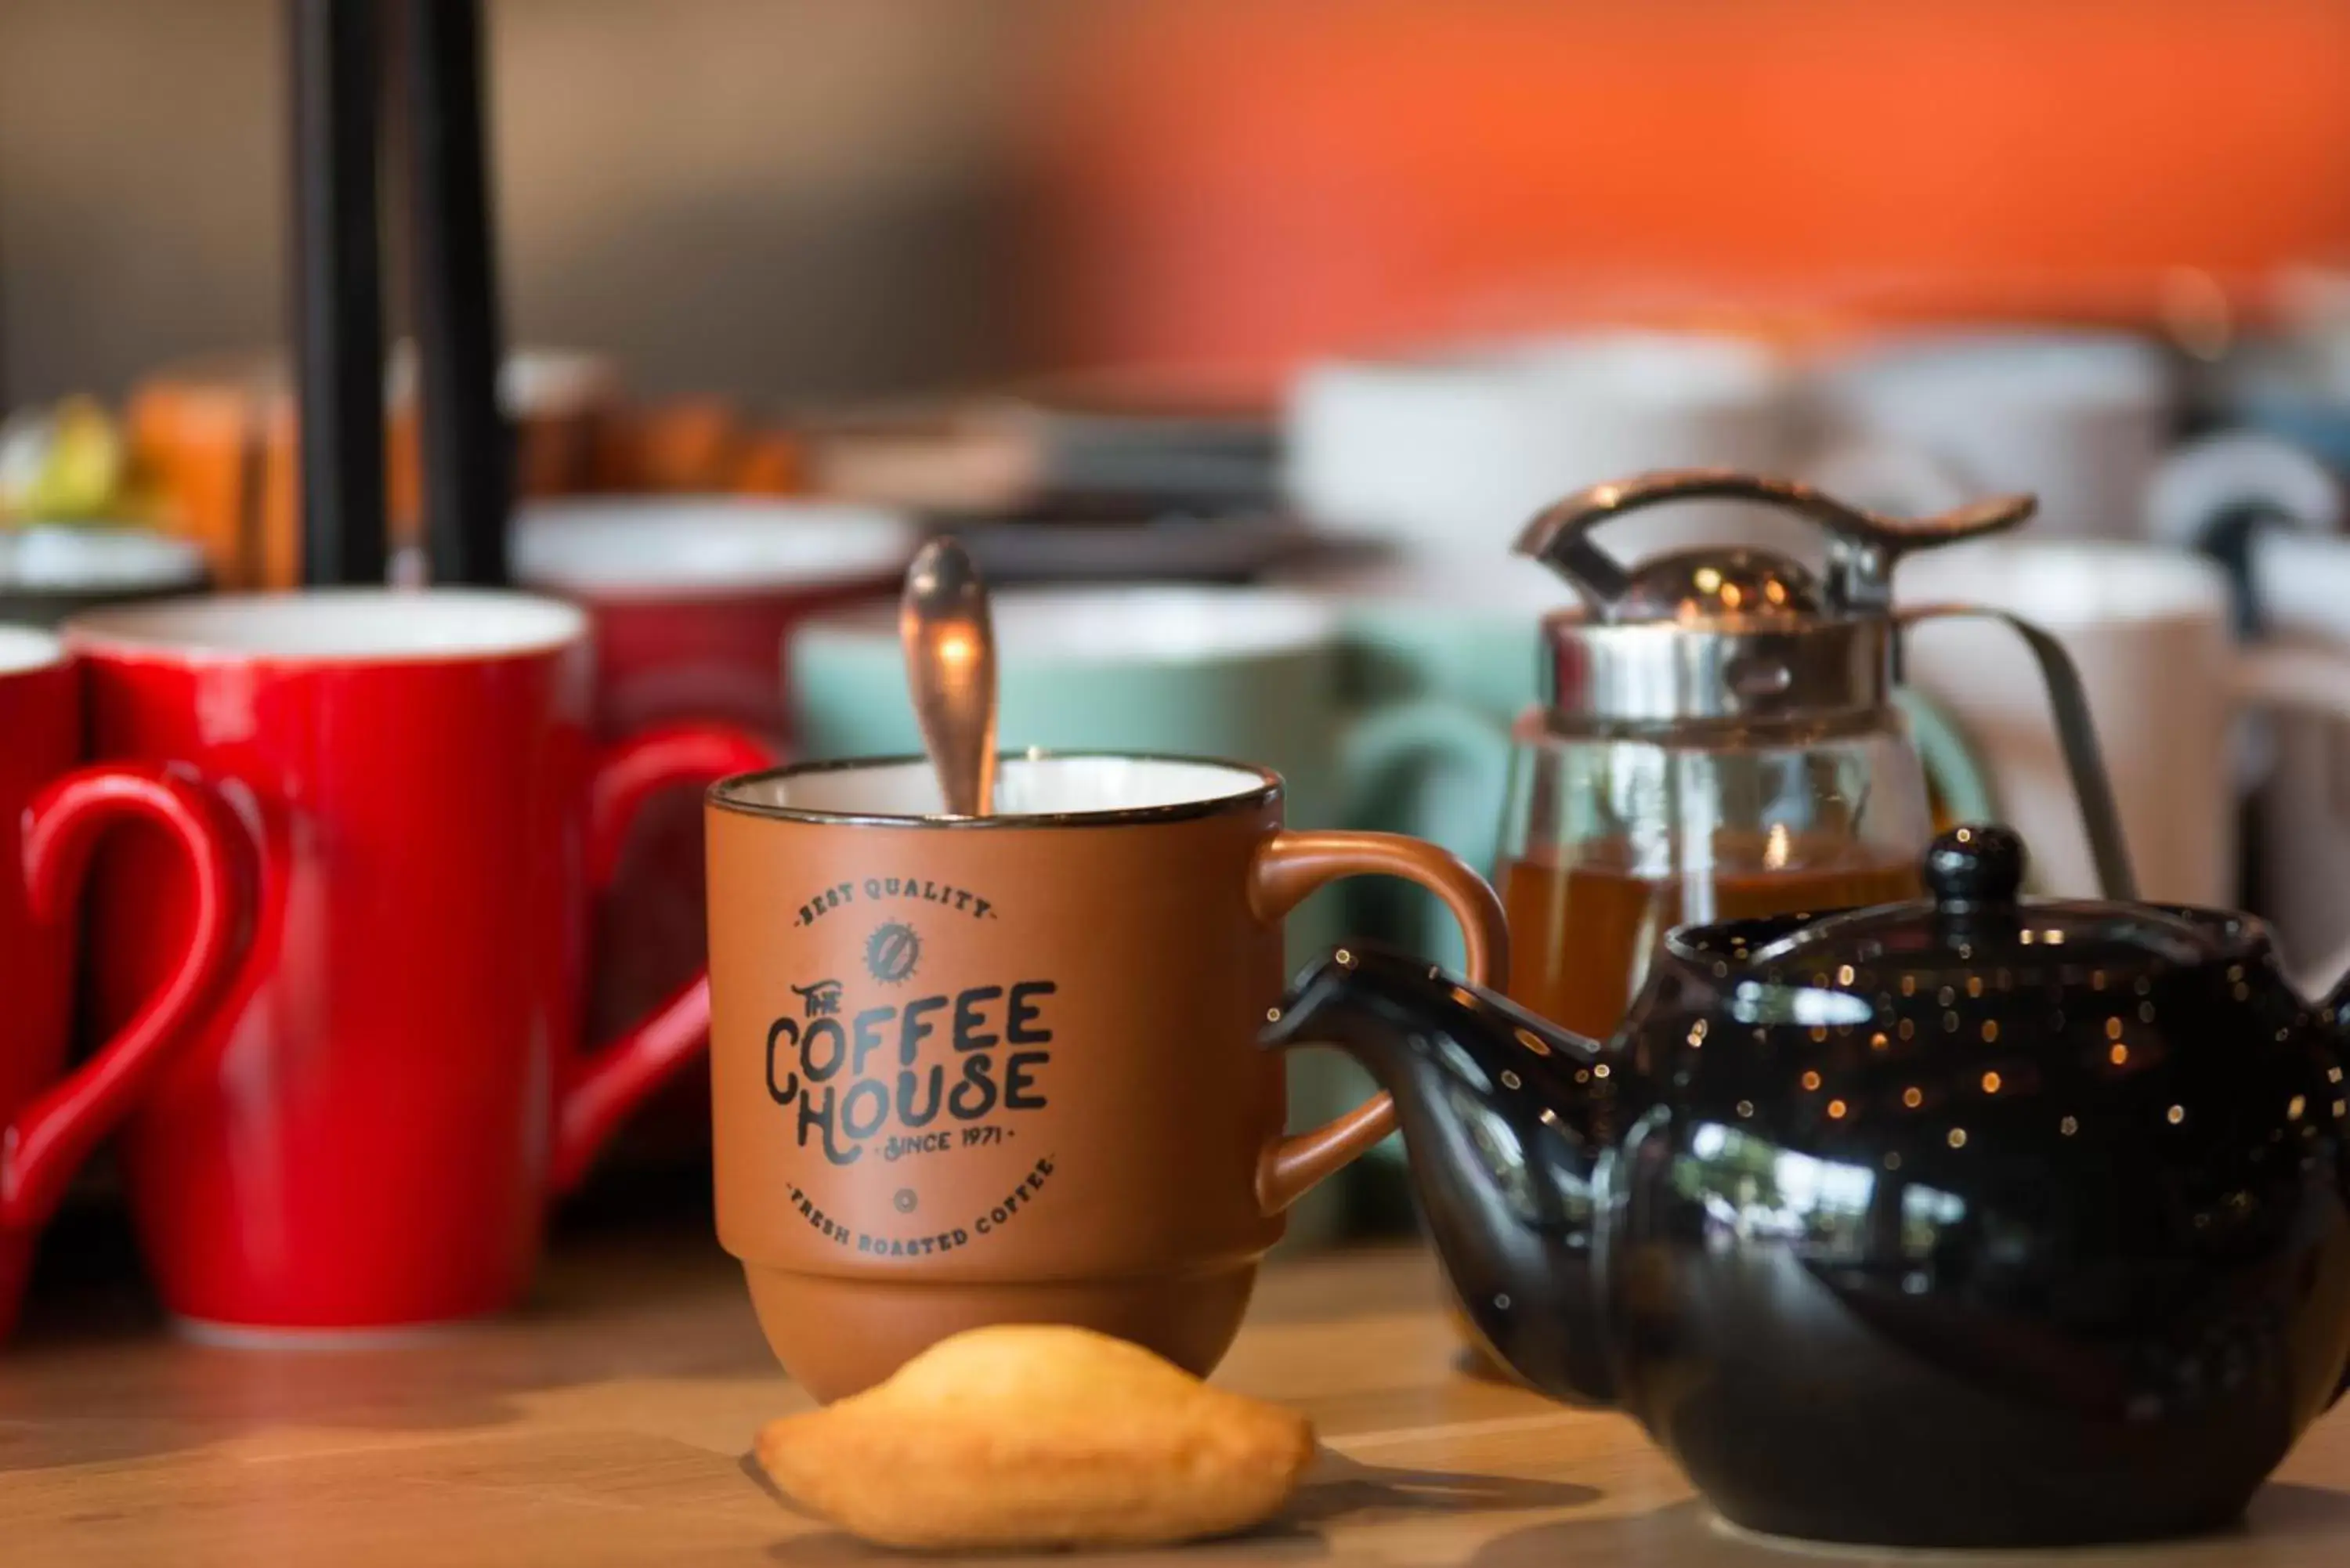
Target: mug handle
{"points": [[1954, 768], [1289, 867], [48, 1139], [612, 1080], [1400, 740]]}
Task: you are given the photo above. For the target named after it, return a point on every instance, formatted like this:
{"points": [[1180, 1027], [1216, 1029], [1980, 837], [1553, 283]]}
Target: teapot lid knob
{"points": [[1978, 928], [1975, 866]]}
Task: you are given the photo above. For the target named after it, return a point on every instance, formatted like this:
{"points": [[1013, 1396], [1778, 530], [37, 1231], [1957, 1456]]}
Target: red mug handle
{"points": [[614, 1079], [47, 1140]]}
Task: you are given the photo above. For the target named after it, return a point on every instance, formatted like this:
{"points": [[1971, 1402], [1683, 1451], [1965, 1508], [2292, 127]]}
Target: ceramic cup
{"points": [[49, 570], [2079, 419], [1439, 664], [688, 598], [1211, 671], [1444, 457], [51, 814], [2272, 514], [1198, 671], [367, 1130], [2299, 840], [1002, 1069], [2149, 631]]}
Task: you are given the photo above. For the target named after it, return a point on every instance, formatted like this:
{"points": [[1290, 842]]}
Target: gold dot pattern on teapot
{"points": [[2040, 1046]]}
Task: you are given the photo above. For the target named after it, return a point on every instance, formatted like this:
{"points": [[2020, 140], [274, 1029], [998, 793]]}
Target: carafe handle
{"points": [[1863, 545], [2076, 736]]}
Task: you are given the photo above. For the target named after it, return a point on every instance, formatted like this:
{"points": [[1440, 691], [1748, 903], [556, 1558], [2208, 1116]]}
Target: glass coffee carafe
{"points": [[1717, 739]]}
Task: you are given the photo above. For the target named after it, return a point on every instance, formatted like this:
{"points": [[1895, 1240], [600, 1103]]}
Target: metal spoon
{"points": [[950, 643]]}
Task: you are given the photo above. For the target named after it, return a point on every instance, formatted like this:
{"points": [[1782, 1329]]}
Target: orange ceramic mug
{"points": [[1002, 1069]]}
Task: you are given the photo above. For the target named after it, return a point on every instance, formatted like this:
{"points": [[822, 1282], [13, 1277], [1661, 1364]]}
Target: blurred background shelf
{"points": [[780, 200]]}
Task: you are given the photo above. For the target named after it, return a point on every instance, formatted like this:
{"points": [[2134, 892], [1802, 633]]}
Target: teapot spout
{"points": [[1509, 1125]]}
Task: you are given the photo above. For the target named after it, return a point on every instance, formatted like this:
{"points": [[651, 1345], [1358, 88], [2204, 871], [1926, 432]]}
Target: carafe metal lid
{"points": [[1717, 586], [1730, 634]]}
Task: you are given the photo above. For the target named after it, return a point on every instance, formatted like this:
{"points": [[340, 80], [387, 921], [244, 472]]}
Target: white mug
{"points": [[1444, 458], [2080, 419], [2300, 584], [2275, 512], [2148, 631]]}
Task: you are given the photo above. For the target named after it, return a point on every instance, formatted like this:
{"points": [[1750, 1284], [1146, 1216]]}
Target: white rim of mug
{"points": [[66, 560], [24, 650], [745, 546], [441, 626], [1693, 370], [1105, 625], [1259, 786]]}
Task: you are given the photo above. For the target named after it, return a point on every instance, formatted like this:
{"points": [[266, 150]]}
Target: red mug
{"points": [[50, 814], [689, 599], [368, 1131]]}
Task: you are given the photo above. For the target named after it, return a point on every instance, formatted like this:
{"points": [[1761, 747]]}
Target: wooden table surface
{"points": [[608, 1424]]}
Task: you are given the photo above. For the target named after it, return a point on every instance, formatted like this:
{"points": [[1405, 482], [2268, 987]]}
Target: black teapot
{"points": [[1972, 1222]]}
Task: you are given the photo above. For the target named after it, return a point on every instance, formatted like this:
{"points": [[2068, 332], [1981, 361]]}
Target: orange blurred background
{"points": [[1238, 183], [777, 200]]}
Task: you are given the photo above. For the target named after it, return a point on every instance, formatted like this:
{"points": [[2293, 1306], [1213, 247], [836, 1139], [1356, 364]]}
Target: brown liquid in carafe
{"points": [[1581, 934]]}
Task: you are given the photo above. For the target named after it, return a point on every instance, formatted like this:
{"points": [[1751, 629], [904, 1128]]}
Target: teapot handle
{"points": [[1863, 545], [2076, 736], [1289, 867]]}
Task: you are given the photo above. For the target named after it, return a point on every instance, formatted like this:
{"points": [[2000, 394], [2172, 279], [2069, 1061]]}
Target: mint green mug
{"points": [[1301, 683], [1236, 673], [1439, 684]]}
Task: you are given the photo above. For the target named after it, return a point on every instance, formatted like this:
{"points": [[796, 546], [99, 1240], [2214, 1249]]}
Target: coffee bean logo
{"points": [[905, 1200], [892, 952]]}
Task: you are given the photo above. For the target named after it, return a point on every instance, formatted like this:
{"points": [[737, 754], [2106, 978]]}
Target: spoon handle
{"points": [[950, 646]]}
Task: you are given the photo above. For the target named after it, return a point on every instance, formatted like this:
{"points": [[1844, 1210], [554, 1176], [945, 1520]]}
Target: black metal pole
{"points": [[467, 448], [337, 321]]}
